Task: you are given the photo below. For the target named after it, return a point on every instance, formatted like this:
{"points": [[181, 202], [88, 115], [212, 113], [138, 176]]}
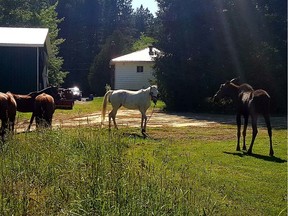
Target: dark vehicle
{"points": [[66, 101]]}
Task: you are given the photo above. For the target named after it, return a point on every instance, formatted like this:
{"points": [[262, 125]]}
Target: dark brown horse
{"points": [[25, 103], [12, 108], [44, 108], [7, 113], [3, 114], [249, 102]]}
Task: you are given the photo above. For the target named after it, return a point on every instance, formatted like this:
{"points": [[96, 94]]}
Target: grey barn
{"points": [[24, 56]]}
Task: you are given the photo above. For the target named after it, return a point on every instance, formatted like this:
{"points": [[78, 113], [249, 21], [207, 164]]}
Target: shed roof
{"points": [[138, 56], [24, 37]]}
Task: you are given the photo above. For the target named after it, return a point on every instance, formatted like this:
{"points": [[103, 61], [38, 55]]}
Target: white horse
{"points": [[131, 100]]}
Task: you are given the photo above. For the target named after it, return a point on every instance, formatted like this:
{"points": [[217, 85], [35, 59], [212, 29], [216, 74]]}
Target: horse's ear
{"points": [[235, 80]]}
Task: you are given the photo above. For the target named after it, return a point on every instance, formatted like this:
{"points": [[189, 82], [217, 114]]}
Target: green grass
{"points": [[181, 171]]}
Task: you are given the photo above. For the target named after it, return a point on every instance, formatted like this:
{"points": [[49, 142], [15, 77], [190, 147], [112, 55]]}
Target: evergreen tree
{"points": [[80, 29], [143, 21], [116, 26], [206, 42]]}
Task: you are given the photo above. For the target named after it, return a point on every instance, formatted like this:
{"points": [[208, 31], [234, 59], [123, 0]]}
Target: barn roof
{"points": [[24, 37], [138, 56]]}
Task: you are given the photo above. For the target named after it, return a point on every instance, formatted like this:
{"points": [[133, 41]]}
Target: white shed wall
{"points": [[127, 77]]}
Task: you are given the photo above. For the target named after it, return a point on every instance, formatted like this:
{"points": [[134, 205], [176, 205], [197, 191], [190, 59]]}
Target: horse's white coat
{"points": [[131, 100]]}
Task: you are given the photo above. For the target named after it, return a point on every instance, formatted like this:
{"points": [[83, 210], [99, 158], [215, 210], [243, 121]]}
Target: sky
{"points": [[150, 4]]}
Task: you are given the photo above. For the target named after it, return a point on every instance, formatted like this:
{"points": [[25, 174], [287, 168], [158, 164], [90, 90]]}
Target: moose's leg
{"points": [[246, 117], [254, 132], [269, 128], [238, 121]]}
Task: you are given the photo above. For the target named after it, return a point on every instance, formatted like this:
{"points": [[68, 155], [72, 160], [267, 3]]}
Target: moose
{"points": [[249, 102]]}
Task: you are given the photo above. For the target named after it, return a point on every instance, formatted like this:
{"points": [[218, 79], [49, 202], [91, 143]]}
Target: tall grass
{"points": [[89, 171], [183, 171]]}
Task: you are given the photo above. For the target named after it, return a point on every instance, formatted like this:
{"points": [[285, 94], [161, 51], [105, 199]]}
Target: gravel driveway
{"points": [[132, 118]]}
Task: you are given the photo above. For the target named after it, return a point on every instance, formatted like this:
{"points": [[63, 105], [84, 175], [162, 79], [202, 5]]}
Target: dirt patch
{"points": [[132, 118]]}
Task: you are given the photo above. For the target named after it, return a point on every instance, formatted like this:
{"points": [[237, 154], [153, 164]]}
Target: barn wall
{"points": [[18, 69], [127, 77]]}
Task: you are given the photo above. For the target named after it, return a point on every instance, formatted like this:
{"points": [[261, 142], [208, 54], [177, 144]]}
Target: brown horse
{"points": [[3, 114], [25, 103], [12, 108], [249, 102], [44, 108]]}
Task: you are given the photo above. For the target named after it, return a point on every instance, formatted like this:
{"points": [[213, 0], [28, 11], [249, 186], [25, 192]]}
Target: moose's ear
{"points": [[235, 80]]}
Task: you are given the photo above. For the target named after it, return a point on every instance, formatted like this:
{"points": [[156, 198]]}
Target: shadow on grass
{"points": [[262, 157], [142, 136], [278, 122]]}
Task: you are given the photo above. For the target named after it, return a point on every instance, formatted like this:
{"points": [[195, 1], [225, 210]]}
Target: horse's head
{"points": [[225, 90], [54, 92], [154, 93]]}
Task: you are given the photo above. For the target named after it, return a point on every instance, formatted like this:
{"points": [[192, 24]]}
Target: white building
{"points": [[135, 70]]}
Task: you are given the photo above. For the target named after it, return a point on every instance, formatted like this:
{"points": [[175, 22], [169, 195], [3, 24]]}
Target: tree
{"points": [[143, 42], [48, 18], [143, 21], [115, 28], [100, 71], [206, 42], [81, 30]]}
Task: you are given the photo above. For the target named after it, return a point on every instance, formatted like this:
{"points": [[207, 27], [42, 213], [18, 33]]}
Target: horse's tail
{"points": [[104, 106]]}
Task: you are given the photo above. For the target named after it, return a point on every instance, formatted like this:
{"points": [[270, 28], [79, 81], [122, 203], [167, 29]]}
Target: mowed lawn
{"points": [[178, 171]]}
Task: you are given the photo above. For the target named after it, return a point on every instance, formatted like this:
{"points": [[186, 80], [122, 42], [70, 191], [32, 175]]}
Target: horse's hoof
{"points": [[244, 148], [271, 153], [249, 152], [145, 135], [238, 149]]}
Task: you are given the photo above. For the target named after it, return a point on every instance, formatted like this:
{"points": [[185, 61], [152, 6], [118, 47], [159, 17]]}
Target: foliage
{"points": [[37, 13], [143, 21], [48, 18], [87, 171], [203, 44], [100, 72], [80, 28], [208, 42], [87, 27], [143, 42]]}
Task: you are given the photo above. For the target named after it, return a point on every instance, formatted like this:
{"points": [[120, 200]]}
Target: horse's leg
{"points": [[143, 123], [238, 121], [2, 131], [31, 121], [12, 125], [112, 115], [254, 132], [269, 128], [246, 117], [4, 126]]}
